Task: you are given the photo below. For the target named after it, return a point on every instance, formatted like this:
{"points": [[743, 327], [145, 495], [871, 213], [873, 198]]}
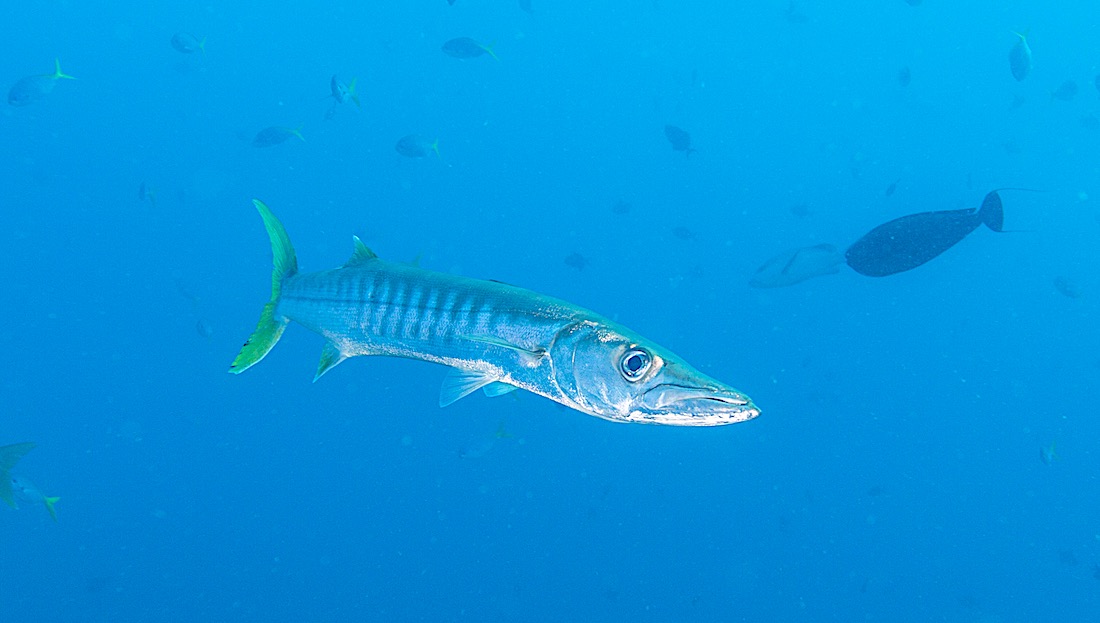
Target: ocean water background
{"points": [[894, 474]]}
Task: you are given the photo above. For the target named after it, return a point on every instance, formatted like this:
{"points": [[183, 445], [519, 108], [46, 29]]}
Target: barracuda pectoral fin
{"points": [[530, 355], [330, 358], [461, 383]]}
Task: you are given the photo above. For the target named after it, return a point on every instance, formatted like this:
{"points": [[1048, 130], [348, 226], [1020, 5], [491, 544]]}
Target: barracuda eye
{"points": [[634, 364]]}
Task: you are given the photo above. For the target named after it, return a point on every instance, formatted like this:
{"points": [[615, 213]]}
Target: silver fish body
{"points": [[494, 336]]}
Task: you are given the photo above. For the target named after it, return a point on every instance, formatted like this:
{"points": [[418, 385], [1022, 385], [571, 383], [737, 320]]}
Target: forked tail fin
{"points": [[49, 502], [992, 212], [271, 327]]}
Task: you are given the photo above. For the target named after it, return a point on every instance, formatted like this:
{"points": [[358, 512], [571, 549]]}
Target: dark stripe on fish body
{"points": [[427, 314], [410, 323], [397, 310]]}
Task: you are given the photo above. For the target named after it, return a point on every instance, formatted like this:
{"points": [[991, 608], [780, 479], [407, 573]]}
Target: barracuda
{"points": [[495, 337]]}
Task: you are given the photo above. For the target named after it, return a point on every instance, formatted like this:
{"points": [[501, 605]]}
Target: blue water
{"points": [[894, 474]]}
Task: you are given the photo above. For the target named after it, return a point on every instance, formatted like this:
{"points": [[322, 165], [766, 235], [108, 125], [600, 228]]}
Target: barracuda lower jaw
{"points": [[696, 406]]}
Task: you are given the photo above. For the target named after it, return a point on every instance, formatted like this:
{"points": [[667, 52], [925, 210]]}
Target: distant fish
{"points": [[203, 328], [801, 210], [416, 146], [679, 139], [1065, 91], [892, 188], [15, 486], [465, 47], [1019, 58], [683, 233], [525, 6], [798, 265], [147, 193], [275, 135], [1068, 288], [1047, 454], [343, 92], [34, 88], [794, 15], [907, 242], [621, 207], [187, 43], [905, 76], [576, 260], [1068, 558], [26, 491]]}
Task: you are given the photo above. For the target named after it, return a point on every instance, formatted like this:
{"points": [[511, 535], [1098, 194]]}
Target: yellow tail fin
{"points": [[49, 506]]}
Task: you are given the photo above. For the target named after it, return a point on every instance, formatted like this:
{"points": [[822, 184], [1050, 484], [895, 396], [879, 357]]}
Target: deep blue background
{"points": [[894, 474]]}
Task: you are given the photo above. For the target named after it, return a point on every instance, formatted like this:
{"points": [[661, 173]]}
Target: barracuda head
{"points": [[609, 373]]}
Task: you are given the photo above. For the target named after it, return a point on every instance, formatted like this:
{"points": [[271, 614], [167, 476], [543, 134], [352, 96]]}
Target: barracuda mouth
{"points": [[681, 405]]}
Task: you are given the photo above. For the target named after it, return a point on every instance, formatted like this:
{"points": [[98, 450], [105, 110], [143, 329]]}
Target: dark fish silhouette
{"points": [[892, 188], [416, 146], [1019, 58], [1065, 91], [680, 140], [187, 43], [907, 242], [33, 88], [621, 207], [905, 76], [683, 233], [576, 260], [794, 15], [465, 47], [275, 135], [1068, 288]]}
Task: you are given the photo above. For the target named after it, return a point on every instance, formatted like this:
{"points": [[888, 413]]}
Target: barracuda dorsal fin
{"points": [[9, 456], [330, 358], [461, 383], [361, 254]]}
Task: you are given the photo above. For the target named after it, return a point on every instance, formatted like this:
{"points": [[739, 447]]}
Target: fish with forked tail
{"points": [[907, 242], [495, 337], [14, 486]]}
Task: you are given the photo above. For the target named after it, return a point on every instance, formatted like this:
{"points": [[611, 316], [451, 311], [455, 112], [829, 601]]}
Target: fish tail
{"points": [[352, 93], [297, 132], [489, 50], [49, 502], [992, 212], [57, 75], [202, 47], [435, 148], [271, 326]]}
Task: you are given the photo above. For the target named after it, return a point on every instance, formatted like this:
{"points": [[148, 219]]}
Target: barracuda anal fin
{"points": [[330, 358]]}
